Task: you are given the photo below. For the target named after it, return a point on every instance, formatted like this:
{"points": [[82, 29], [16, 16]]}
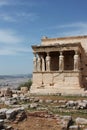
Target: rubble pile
{"points": [[17, 104], [14, 115]]}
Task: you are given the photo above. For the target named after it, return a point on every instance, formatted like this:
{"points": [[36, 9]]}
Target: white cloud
{"points": [[14, 50], [9, 37], [23, 49], [11, 43], [79, 28], [7, 18], [3, 2], [6, 52], [30, 16], [17, 17], [71, 29], [73, 33], [71, 25], [18, 3]]}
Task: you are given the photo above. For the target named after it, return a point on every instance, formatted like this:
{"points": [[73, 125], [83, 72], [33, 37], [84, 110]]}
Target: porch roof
{"points": [[58, 47]]}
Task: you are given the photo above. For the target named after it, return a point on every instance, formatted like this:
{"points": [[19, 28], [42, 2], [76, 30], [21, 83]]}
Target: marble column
{"points": [[39, 63], [43, 63], [48, 62], [61, 61], [76, 61], [35, 63]]}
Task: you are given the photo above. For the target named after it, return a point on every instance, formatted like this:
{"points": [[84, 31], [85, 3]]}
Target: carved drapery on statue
{"points": [[61, 62], [76, 61], [48, 62], [35, 63], [43, 63], [39, 63]]}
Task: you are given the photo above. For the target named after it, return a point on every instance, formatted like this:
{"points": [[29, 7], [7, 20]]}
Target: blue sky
{"points": [[24, 22]]}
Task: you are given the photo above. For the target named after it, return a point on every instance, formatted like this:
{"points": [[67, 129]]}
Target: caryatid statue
{"points": [[61, 62]]}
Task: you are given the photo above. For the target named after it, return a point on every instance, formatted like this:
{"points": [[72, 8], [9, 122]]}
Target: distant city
{"points": [[13, 81]]}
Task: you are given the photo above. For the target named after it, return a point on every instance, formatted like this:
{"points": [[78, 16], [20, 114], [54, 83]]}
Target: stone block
{"points": [[74, 127], [81, 121]]}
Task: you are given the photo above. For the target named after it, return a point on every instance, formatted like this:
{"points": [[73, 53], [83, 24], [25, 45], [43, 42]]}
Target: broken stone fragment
{"points": [[11, 113], [81, 121], [74, 127], [1, 122], [33, 105], [66, 122]]}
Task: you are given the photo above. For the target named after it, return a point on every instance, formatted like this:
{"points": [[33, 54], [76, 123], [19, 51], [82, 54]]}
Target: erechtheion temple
{"points": [[60, 65]]}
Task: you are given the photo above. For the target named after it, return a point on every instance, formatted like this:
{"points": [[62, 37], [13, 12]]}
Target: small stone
{"points": [[33, 105], [74, 127], [81, 121], [49, 101]]}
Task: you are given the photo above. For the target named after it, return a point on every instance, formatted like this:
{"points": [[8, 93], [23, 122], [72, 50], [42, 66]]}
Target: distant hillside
{"points": [[16, 76]]}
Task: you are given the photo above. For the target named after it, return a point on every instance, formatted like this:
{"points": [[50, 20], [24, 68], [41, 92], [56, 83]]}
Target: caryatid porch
{"points": [[56, 68]]}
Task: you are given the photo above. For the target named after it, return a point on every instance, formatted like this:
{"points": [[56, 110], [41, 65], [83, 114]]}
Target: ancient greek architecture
{"points": [[60, 65]]}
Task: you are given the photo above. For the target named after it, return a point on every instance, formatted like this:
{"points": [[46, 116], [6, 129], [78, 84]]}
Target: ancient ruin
{"points": [[60, 66]]}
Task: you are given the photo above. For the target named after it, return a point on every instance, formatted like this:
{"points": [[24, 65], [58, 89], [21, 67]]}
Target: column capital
{"points": [[48, 53], [61, 52], [76, 52], [35, 53]]}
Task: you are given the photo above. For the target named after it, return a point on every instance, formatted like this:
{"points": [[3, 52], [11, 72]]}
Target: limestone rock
{"points": [[81, 121], [66, 122], [33, 105], [48, 101], [11, 113], [74, 127]]}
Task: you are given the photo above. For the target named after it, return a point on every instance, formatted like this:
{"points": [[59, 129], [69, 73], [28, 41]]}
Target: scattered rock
{"points": [[36, 100], [20, 116], [33, 105], [70, 103], [66, 122], [10, 114], [49, 101], [74, 127], [55, 101], [40, 101], [62, 101], [3, 113], [82, 105], [1, 122], [81, 121]]}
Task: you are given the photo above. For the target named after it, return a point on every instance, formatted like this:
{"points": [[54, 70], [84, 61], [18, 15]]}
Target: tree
{"points": [[26, 84]]}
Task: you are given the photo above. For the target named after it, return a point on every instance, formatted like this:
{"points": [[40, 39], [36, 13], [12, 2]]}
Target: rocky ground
{"points": [[37, 123], [28, 112]]}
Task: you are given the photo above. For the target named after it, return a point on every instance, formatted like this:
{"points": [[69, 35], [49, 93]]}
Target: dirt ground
{"points": [[37, 123], [43, 123]]}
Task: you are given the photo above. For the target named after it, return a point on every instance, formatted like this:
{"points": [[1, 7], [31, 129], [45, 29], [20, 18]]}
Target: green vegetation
{"points": [[26, 84]]}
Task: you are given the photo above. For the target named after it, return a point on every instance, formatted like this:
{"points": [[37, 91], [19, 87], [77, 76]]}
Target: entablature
{"points": [[58, 47]]}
